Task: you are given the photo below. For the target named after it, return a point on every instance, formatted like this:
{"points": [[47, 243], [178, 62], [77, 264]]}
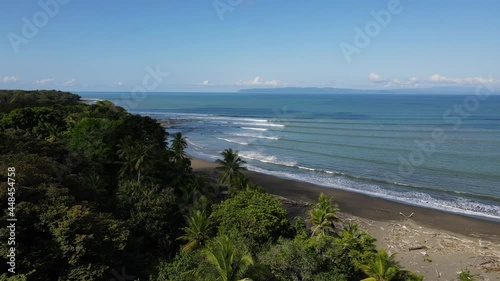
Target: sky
{"points": [[226, 45]]}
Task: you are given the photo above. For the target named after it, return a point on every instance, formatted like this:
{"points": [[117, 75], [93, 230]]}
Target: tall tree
{"points": [[259, 217], [231, 166], [179, 144], [323, 216], [228, 262], [382, 267], [197, 231], [134, 158]]}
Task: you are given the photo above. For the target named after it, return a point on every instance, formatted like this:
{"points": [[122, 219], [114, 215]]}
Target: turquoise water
{"points": [[440, 152]]}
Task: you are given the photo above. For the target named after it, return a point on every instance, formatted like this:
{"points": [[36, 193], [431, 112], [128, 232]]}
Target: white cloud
{"points": [[432, 81], [257, 81], [119, 83], [374, 77], [439, 79], [8, 79], [70, 82], [412, 81], [44, 81], [206, 82]]}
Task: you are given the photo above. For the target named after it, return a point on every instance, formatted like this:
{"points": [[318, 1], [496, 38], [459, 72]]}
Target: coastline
{"points": [[368, 207], [430, 242]]}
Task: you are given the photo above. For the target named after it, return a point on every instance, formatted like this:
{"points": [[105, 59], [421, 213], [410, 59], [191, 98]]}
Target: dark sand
{"points": [[368, 207]]}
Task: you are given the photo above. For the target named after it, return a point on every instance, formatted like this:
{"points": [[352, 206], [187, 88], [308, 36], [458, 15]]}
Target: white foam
{"points": [[266, 158], [203, 116], [254, 129], [194, 144], [193, 115], [237, 119], [260, 124], [458, 205], [306, 168], [255, 136], [233, 141], [205, 156]]}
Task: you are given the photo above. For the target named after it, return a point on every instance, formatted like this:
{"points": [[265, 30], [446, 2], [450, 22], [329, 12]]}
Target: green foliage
{"points": [[98, 188], [195, 195], [67, 186], [197, 231], [181, 268], [85, 238], [11, 99], [381, 267], [240, 182], [352, 247], [466, 275], [151, 212], [230, 166], [107, 110], [134, 159], [332, 275], [143, 129], [322, 216], [405, 275], [179, 144], [254, 215], [17, 277], [93, 137], [290, 260], [227, 261], [41, 122], [300, 228]]}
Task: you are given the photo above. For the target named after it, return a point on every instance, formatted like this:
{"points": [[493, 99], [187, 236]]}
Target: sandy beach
{"points": [[446, 242]]}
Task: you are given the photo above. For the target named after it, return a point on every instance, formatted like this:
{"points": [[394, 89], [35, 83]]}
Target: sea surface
{"points": [[435, 151]]}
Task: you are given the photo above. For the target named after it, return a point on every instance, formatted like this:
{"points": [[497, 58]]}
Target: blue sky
{"points": [[107, 45]]}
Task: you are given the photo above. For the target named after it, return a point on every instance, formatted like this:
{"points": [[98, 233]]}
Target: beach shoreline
{"points": [[369, 207], [433, 243]]}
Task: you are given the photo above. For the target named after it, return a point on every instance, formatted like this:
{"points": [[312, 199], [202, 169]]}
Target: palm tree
{"points": [[133, 156], [382, 267], [230, 166], [228, 263], [355, 246], [179, 144], [250, 186], [355, 239], [197, 231], [239, 182], [326, 203], [323, 216]]}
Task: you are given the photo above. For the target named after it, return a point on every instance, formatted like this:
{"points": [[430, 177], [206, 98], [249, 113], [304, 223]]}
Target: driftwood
{"points": [[491, 268], [405, 216], [417, 248], [486, 262]]}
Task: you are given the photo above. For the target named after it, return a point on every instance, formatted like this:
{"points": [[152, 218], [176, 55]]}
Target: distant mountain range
{"points": [[317, 90]]}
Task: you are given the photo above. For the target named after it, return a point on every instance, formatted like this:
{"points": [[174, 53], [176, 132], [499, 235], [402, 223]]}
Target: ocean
{"points": [[434, 151]]}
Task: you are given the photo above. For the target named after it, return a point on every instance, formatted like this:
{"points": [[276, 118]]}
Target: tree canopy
{"points": [[101, 192]]}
